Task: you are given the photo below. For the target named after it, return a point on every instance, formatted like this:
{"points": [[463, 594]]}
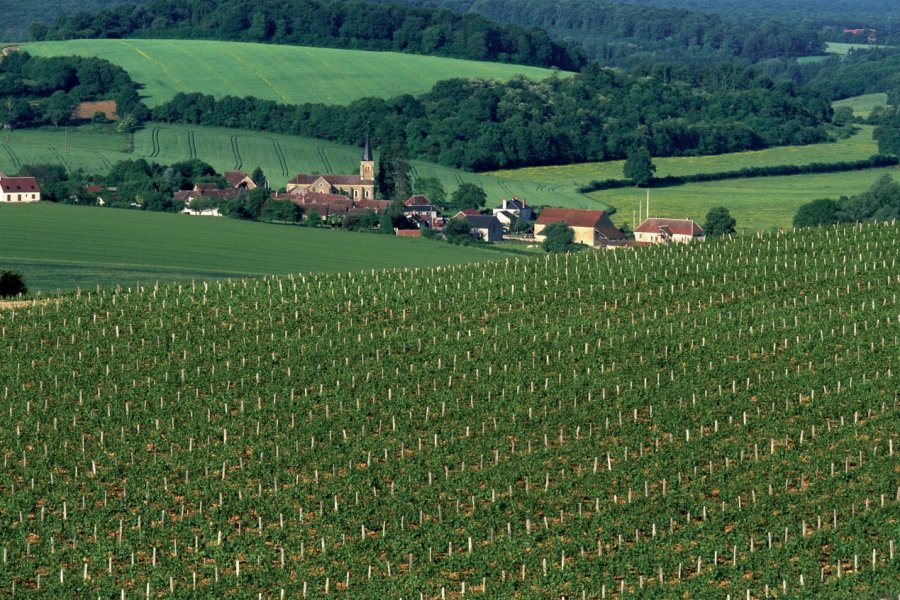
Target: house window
{"points": [[367, 193]]}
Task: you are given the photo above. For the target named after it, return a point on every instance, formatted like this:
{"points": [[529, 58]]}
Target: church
{"points": [[355, 187]]}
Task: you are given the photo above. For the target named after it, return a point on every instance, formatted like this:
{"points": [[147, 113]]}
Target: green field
{"points": [[95, 149], [856, 147], [64, 247], [700, 422], [862, 105], [758, 204], [843, 48], [287, 74]]}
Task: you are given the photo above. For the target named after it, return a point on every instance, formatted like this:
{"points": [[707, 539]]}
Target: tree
{"points": [[394, 176], [457, 231], [282, 210], [59, 107], [259, 178], [639, 167], [888, 134], [558, 237], [314, 219], [817, 212], [432, 188], [11, 284], [468, 195], [719, 222], [256, 199]]}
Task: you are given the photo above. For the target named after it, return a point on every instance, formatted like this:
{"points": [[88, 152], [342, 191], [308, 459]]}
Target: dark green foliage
{"points": [[366, 221], [313, 219], [431, 188], [283, 211], [12, 284], [259, 178], [639, 167], [468, 195], [559, 237], [624, 34], [817, 212], [38, 91], [719, 222], [596, 115], [338, 24], [457, 231], [394, 177], [881, 202], [887, 134]]}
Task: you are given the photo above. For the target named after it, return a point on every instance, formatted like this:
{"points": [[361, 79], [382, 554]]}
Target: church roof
{"points": [[367, 151], [332, 179]]}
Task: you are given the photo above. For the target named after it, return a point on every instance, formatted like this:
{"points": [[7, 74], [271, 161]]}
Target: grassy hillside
{"points": [[711, 421], [863, 105], [56, 246], [281, 157], [758, 204], [287, 74]]}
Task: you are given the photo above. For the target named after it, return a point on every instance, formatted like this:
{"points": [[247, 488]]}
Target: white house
{"points": [[664, 231], [19, 189], [515, 207]]}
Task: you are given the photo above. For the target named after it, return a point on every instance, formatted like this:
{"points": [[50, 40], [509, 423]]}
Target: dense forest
{"points": [[17, 16], [625, 34], [332, 23], [46, 91], [597, 115]]}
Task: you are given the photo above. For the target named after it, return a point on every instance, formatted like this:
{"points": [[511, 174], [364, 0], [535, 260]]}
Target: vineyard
{"points": [[714, 421]]}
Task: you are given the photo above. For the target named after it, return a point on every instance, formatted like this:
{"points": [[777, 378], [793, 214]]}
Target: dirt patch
{"points": [[86, 110], [8, 304], [9, 50]]}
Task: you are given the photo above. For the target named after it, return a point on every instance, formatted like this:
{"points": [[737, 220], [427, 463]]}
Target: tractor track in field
{"points": [[281, 160], [103, 159], [12, 156], [154, 142], [192, 145], [238, 163], [325, 161], [62, 160], [504, 188]]}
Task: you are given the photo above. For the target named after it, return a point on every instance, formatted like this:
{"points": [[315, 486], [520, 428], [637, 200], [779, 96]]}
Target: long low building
{"points": [[19, 189], [665, 231], [591, 227]]}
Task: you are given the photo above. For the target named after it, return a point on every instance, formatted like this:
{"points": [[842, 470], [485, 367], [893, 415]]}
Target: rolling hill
{"points": [[64, 247], [284, 74]]}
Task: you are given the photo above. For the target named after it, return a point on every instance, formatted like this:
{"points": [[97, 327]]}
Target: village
{"points": [[332, 198]]}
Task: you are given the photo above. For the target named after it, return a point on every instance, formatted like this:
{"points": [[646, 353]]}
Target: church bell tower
{"points": [[367, 164]]}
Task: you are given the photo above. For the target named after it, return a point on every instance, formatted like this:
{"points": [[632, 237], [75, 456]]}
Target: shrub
{"points": [[11, 284]]}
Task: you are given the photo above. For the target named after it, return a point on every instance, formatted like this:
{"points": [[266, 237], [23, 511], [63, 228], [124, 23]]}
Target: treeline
{"points": [[881, 202], [873, 162], [332, 23], [863, 71], [597, 115], [627, 34], [17, 16], [40, 91]]}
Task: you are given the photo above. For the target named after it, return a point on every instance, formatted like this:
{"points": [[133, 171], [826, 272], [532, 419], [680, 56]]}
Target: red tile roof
{"points": [[670, 226], [234, 178], [10, 185], [417, 200], [332, 179], [596, 219]]}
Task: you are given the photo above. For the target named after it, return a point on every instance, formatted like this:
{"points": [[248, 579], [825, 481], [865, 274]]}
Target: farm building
{"points": [[591, 227], [239, 180], [420, 210], [357, 187], [19, 189], [665, 231], [514, 207], [466, 212], [486, 228]]}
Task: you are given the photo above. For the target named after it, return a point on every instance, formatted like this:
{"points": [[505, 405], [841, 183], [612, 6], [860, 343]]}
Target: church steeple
{"points": [[367, 164]]}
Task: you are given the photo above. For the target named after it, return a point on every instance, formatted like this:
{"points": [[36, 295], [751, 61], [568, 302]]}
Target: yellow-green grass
{"points": [[843, 48], [862, 105], [758, 204], [287, 74], [857, 147], [65, 247], [96, 148]]}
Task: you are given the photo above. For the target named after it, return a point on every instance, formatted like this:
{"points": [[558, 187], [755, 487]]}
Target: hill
{"points": [[284, 74], [64, 247], [684, 422], [96, 149]]}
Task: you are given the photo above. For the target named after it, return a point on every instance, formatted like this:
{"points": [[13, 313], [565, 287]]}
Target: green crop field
{"points": [[705, 421], [758, 204], [862, 105], [858, 146], [287, 74], [843, 48], [64, 247], [95, 149]]}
